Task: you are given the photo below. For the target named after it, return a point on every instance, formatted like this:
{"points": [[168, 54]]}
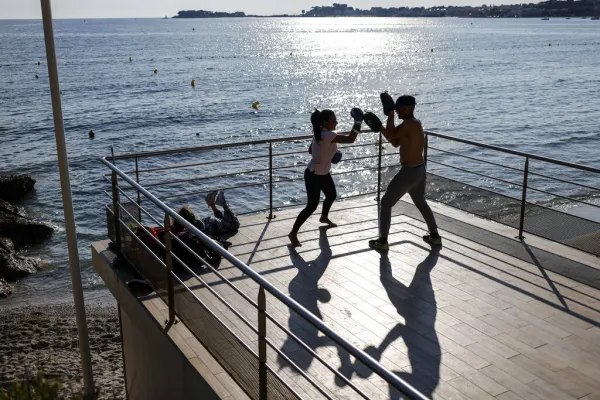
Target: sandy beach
{"points": [[45, 337]]}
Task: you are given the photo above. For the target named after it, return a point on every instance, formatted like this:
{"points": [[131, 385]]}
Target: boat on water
{"points": [[568, 17], [596, 18], [545, 19]]}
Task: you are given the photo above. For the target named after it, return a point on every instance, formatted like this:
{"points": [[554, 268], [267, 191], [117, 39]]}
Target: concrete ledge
{"points": [[158, 364]]}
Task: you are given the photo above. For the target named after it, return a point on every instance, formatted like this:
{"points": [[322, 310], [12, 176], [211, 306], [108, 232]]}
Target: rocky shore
{"points": [[44, 338], [17, 231]]}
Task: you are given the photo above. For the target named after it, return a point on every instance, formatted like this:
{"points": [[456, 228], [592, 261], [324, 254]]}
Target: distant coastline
{"points": [[544, 9], [208, 14]]}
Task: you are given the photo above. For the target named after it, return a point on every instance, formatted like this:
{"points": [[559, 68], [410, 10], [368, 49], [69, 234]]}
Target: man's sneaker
{"points": [[210, 197], [220, 199], [379, 245], [434, 240]]}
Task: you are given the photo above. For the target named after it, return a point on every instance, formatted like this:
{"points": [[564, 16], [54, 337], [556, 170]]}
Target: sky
{"points": [[10, 9]]}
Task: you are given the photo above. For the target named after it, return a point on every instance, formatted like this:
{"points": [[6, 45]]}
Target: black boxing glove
{"points": [[387, 102], [373, 122], [337, 157], [358, 115]]}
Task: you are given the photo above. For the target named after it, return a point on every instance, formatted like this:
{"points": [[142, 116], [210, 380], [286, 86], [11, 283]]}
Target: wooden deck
{"points": [[484, 317]]}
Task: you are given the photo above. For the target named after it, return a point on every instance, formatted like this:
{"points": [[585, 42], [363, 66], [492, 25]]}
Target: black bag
{"points": [[196, 245]]}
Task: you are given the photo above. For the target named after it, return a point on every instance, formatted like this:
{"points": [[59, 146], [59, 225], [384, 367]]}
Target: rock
{"points": [[5, 289], [19, 228], [42, 344], [7, 208], [13, 266], [6, 245], [14, 187], [23, 231]]}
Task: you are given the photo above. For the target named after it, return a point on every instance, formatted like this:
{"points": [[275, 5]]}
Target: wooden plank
{"points": [[470, 373], [506, 366], [571, 388]]}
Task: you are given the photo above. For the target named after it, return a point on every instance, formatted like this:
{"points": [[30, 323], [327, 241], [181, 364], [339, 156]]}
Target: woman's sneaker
{"points": [[210, 197], [220, 199], [435, 240], [379, 244]]}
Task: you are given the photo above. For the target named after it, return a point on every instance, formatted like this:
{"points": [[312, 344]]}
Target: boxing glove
{"points": [[357, 114], [336, 157]]}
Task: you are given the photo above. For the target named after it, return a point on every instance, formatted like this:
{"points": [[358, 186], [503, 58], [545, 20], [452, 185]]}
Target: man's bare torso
{"points": [[413, 140]]}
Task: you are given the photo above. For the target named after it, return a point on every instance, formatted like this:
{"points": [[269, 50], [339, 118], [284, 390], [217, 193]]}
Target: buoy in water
{"points": [[255, 105], [193, 83], [36, 77], [92, 134], [432, 50], [156, 70], [39, 63], [130, 59], [549, 44]]}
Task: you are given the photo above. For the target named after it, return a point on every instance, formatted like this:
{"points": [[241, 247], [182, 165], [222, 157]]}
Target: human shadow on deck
{"points": [[304, 289], [418, 330]]}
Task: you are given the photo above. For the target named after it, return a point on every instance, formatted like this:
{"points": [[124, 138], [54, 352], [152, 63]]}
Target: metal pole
{"points": [[169, 262], [139, 199], [524, 198], [116, 210], [65, 183], [262, 344], [270, 181], [380, 145]]}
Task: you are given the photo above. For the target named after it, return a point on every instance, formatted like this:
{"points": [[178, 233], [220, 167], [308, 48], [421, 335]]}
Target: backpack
{"points": [[190, 240]]}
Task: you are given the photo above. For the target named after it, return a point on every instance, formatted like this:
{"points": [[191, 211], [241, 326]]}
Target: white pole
{"points": [[65, 183]]}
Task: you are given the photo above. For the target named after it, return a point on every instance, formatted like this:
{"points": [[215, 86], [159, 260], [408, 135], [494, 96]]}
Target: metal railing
{"points": [[534, 217], [529, 212], [248, 365], [185, 303]]}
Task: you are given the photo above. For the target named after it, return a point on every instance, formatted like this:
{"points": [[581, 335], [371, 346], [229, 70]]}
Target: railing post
{"points": [[271, 216], [139, 199], [169, 263], [262, 344], [425, 146], [524, 198], [380, 148], [116, 210]]}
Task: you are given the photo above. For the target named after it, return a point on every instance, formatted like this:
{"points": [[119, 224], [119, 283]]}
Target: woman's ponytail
{"points": [[318, 119]]}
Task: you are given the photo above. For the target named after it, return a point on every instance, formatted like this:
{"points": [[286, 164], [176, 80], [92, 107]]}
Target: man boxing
{"points": [[411, 177]]}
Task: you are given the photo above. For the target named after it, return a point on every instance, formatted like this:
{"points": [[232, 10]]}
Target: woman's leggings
{"points": [[315, 184]]}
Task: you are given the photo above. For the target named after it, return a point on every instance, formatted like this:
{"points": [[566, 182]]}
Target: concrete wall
{"points": [[155, 367]]}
